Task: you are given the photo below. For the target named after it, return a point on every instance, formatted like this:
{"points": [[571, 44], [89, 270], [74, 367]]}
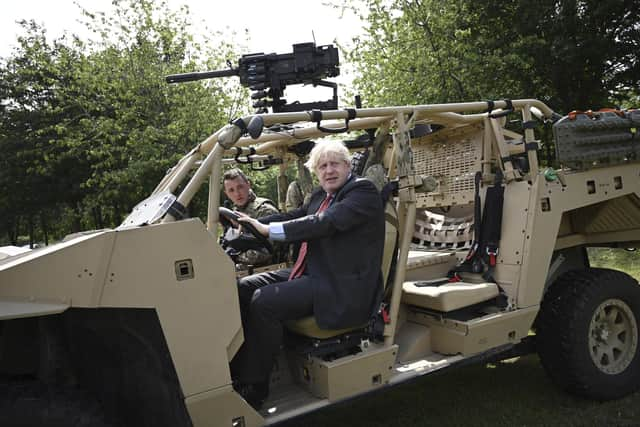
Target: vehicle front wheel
{"points": [[587, 333], [32, 403]]}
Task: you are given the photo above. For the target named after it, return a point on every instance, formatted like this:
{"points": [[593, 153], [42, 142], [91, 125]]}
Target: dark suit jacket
{"points": [[344, 251]]}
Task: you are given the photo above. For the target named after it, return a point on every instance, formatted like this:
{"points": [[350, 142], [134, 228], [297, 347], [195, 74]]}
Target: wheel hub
{"points": [[601, 333], [613, 336]]}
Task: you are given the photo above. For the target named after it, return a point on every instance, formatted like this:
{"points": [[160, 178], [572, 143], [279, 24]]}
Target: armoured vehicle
{"points": [[485, 252]]}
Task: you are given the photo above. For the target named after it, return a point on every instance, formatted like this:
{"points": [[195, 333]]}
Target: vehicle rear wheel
{"points": [[587, 333]]}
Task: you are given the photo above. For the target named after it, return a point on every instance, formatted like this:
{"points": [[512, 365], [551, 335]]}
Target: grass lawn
{"points": [[618, 259], [515, 392]]}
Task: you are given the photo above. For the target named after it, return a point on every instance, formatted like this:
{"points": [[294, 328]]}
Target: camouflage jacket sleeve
{"points": [[265, 208]]}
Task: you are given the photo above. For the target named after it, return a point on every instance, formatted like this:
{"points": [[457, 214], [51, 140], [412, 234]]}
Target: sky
{"points": [[274, 26]]}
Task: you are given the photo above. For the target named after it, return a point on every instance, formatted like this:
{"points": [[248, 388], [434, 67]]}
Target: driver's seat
{"points": [[308, 327]]}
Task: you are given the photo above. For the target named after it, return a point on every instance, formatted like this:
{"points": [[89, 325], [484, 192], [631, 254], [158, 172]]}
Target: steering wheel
{"points": [[230, 216]]}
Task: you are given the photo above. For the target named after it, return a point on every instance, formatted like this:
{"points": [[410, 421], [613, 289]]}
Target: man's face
{"points": [[237, 190], [332, 173]]}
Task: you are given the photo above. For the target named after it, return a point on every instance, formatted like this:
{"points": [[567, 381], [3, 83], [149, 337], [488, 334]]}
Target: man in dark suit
{"points": [[336, 277]]}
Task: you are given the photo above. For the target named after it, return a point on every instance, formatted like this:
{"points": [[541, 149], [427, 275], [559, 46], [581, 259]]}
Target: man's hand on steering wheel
{"points": [[263, 229], [257, 229]]}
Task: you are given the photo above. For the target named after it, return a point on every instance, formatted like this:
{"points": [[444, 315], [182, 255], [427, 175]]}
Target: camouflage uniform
{"points": [[295, 198], [255, 208], [299, 191]]}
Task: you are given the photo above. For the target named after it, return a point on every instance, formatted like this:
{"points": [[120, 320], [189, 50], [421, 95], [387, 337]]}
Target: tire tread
{"points": [[561, 339]]}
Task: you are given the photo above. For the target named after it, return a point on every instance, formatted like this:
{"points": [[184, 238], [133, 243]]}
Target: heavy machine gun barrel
{"points": [[190, 77]]}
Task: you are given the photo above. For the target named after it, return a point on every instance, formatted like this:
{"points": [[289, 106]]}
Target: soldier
{"points": [[299, 190], [238, 189]]}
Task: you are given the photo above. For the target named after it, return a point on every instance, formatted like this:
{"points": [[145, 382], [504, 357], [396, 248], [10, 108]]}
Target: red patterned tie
{"points": [[299, 266]]}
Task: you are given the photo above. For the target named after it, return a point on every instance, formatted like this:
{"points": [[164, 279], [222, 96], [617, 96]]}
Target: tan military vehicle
{"points": [[137, 325]]}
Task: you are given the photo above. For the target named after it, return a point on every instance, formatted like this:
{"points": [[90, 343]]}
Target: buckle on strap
{"points": [[384, 313], [493, 252], [472, 251]]}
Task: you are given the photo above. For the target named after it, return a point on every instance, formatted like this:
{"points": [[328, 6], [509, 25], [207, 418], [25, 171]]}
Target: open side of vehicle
{"points": [[482, 245]]}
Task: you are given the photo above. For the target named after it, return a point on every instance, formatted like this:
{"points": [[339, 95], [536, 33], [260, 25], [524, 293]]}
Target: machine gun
{"points": [[267, 75]]}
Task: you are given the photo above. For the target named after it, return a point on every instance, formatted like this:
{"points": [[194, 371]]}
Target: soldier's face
{"points": [[237, 190], [332, 173]]}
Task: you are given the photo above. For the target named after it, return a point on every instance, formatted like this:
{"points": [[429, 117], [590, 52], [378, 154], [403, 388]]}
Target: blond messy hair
{"points": [[327, 149]]}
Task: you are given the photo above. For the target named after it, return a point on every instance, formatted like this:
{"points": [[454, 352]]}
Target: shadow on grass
{"points": [[515, 392]]}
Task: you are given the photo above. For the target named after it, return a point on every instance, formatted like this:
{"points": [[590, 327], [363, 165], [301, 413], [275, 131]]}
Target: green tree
{"points": [[88, 128], [31, 135], [141, 125], [571, 54]]}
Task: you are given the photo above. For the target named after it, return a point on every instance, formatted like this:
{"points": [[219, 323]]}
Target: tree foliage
{"points": [[572, 54], [88, 128]]}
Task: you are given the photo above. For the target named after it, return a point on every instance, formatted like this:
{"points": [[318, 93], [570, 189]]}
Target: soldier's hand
{"points": [[262, 228]]}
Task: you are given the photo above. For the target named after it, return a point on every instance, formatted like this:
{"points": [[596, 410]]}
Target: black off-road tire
{"points": [[31, 403], [587, 333]]}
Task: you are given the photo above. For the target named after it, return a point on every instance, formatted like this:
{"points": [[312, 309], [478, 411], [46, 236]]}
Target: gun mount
{"points": [[267, 75]]}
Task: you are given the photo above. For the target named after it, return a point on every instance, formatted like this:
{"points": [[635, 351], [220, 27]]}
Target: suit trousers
{"points": [[266, 301]]}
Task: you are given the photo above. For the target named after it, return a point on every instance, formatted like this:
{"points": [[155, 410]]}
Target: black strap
{"points": [[532, 146], [508, 110], [301, 149], [431, 283], [477, 217], [177, 210], [487, 231], [389, 189], [490, 106], [493, 228], [509, 104], [239, 150], [492, 225], [316, 116], [531, 124]]}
